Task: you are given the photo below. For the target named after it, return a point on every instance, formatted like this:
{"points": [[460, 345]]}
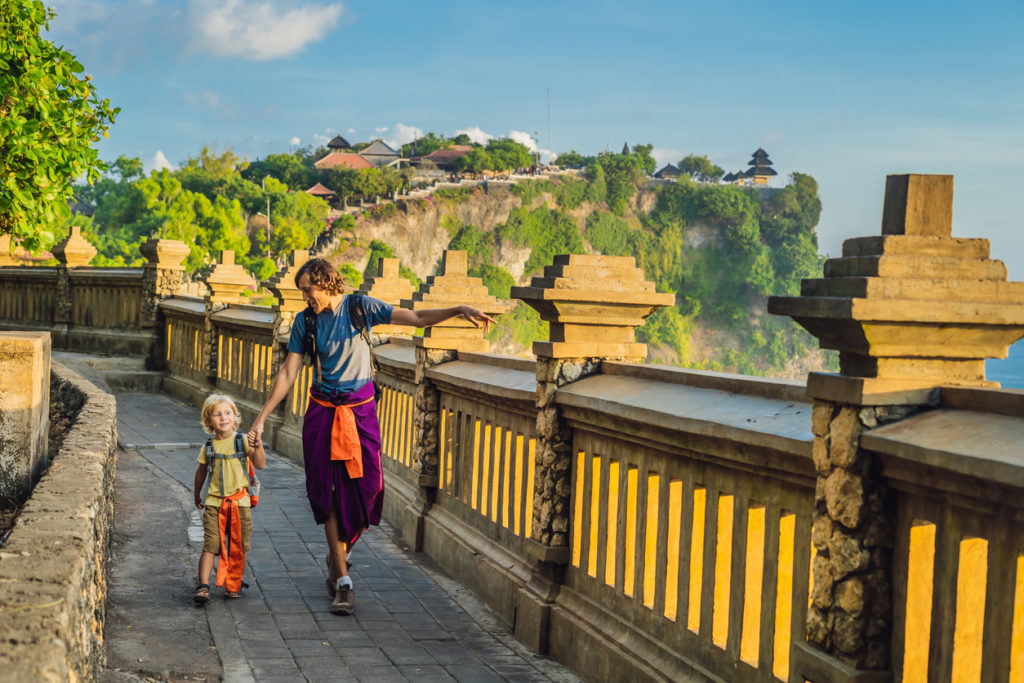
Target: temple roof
{"points": [[760, 158], [668, 171], [378, 148], [320, 190], [338, 142], [344, 159]]}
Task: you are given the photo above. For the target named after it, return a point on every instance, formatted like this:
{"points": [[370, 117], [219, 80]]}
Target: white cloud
{"points": [[476, 134], [258, 30], [666, 156], [294, 140], [399, 134], [159, 162], [524, 138]]}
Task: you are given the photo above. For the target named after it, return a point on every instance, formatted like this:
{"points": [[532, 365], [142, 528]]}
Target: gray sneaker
{"points": [[344, 600]]}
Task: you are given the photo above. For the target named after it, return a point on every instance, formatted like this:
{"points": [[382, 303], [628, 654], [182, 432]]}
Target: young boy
{"points": [[227, 517]]}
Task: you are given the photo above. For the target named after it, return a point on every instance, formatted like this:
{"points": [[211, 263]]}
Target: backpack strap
{"points": [[309, 341], [357, 316]]}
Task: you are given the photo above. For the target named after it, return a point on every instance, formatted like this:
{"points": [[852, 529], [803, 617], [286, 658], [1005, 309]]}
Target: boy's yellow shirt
{"points": [[235, 476]]}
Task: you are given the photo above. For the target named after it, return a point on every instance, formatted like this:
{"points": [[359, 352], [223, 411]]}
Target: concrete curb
{"points": [[54, 565]]}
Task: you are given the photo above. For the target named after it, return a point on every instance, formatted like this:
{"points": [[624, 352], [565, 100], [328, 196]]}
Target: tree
{"points": [[50, 117], [508, 155], [572, 159], [700, 168], [643, 155]]}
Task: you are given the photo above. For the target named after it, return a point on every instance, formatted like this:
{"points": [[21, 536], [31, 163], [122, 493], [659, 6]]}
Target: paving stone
{"points": [[361, 656], [408, 624], [468, 673], [425, 673], [407, 654], [376, 674]]}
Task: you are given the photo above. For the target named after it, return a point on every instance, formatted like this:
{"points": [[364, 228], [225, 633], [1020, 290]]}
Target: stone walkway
{"points": [[411, 622]]}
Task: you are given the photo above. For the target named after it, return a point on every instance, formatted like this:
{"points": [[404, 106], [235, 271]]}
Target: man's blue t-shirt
{"points": [[344, 356]]}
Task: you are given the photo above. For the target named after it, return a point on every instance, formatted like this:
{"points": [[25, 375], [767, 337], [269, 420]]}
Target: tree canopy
{"points": [[50, 118], [700, 168]]}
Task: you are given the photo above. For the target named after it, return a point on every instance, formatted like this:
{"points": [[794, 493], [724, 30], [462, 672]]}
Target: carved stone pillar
{"points": [[71, 252], [593, 305], [440, 344], [289, 304], [909, 311], [225, 282], [392, 288], [162, 276]]}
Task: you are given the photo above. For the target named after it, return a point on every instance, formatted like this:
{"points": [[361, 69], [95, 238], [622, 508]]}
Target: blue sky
{"points": [[847, 92]]}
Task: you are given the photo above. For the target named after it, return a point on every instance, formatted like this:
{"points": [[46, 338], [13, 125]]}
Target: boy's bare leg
{"points": [[337, 548], [205, 566]]}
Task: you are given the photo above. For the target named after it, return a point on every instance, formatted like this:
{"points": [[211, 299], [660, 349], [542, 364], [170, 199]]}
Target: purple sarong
{"points": [[357, 503]]}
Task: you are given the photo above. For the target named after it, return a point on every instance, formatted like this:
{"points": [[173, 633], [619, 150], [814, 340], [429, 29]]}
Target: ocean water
{"points": [[1009, 371]]}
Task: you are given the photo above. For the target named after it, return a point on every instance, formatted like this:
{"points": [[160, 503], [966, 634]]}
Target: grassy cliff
{"points": [[721, 249]]}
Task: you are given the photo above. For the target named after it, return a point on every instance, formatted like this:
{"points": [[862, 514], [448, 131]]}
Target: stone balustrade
{"points": [[862, 526]]}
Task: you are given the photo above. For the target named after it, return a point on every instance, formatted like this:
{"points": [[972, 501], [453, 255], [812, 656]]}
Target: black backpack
{"points": [[357, 316]]}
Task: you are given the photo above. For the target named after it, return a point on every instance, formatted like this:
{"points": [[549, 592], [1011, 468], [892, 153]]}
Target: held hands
{"points": [[199, 503], [255, 435], [477, 317]]}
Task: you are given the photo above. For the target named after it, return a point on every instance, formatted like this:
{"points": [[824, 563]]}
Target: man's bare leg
{"points": [[338, 549]]}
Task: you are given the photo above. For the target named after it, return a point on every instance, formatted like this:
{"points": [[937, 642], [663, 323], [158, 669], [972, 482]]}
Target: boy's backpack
{"points": [[357, 316], [211, 455]]}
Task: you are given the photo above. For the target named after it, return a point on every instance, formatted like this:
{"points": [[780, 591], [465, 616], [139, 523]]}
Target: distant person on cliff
{"points": [[340, 433]]}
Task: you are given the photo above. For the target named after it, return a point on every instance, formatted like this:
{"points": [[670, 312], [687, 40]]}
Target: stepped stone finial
{"points": [[164, 253], [452, 287], [74, 251], [911, 309], [389, 287], [594, 305], [6, 257], [282, 284], [227, 280]]}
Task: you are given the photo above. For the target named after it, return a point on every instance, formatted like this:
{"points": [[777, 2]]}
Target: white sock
{"points": [[344, 581]]}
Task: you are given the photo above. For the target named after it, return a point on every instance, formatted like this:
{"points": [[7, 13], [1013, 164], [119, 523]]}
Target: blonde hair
{"points": [[211, 402]]}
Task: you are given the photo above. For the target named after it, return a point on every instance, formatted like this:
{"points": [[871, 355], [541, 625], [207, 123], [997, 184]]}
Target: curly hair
{"points": [[322, 274], [211, 402]]}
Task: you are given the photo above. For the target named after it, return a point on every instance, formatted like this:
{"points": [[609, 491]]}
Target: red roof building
{"points": [[445, 157], [319, 190], [344, 160]]}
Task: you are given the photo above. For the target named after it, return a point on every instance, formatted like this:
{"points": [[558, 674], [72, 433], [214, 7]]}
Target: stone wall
{"points": [[54, 564]]}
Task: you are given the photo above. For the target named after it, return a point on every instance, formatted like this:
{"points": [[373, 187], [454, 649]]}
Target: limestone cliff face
{"points": [[417, 232]]}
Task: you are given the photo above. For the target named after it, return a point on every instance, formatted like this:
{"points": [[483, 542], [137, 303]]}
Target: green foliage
{"points": [[294, 170], [353, 278], [522, 325], [206, 203], [668, 327], [572, 159], [50, 117], [380, 249], [644, 158], [529, 190], [621, 174], [502, 154], [570, 193], [700, 168], [366, 183], [478, 245], [499, 282], [546, 232], [608, 234]]}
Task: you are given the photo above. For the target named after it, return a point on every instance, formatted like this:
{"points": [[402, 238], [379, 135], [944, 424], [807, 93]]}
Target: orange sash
{"points": [[230, 565], [345, 437]]}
